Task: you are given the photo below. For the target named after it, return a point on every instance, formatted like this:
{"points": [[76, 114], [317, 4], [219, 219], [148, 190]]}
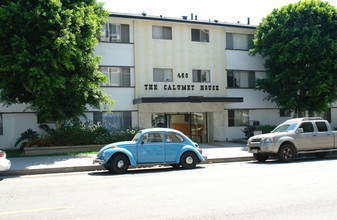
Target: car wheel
{"points": [[261, 157], [188, 160], [119, 164], [320, 155], [286, 153]]}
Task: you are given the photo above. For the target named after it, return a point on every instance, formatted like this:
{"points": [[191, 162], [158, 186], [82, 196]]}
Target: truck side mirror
{"points": [[299, 130]]}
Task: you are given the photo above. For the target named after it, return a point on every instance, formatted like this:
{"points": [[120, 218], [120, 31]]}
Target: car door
{"points": [[151, 148], [324, 139], [305, 140], [173, 143]]}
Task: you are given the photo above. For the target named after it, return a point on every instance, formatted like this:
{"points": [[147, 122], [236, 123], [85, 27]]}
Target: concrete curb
{"points": [[99, 167]]}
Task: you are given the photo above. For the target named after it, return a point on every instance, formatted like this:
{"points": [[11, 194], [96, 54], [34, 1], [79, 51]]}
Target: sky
{"points": [[225, 11]]}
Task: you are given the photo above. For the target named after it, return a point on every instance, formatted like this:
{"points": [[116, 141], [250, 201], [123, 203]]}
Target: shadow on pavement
{"points": [[149, 170]]}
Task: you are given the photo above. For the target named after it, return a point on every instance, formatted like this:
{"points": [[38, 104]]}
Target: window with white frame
{"points": [[200, 35], [117, 76], [240, 79], [115, 33], [236, 41], [238, 118], [162, 75], [1, 125], [113, 121], [162, 32], [201, 76]]}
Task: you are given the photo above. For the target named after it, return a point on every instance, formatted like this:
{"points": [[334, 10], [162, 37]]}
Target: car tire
{"points": [[119, 164], [261, 157], [286, 153], [188, 160]]}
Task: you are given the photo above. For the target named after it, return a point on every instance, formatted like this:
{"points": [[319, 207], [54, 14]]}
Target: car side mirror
{"points": [[299, 130], [142, 142]]}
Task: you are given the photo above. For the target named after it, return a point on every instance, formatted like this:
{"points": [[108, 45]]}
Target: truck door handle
{"points": [[328, 134], [162, 145], [314, 135]]}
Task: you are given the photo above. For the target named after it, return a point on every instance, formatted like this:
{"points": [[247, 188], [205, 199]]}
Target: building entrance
{"points": [[192, 124]]}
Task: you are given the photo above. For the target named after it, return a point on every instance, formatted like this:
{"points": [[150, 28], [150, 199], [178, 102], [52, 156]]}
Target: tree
{"points": [[46, 57], [299, 44]]}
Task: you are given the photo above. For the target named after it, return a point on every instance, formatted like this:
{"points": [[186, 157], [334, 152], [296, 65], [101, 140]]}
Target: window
{"points": [[240, 79], [172, 137], [200, 35], [201, 76], [160, 32], [321, 126], [154, 137], [285, 112], [113, 121], [239, 41], [115, 33], [307, 127], [1, 125], [117, 76], [238, 118], [162, 75]]}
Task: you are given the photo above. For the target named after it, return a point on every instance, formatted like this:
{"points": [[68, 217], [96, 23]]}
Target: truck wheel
{"points": [[261, 157], [188, 160], [286, 153], [119, 164]]}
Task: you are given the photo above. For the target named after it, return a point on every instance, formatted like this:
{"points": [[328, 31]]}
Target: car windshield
{"points": [[137, 136], [285, 128]]}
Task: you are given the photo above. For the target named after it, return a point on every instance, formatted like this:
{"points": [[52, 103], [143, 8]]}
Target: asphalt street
{"points": [[304, 189]]}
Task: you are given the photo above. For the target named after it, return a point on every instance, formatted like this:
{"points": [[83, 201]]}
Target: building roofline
{"points": [[181, 20]]}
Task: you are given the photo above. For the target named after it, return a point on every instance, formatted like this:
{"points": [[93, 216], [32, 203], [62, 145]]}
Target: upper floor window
{"points": [[161, 32], [200, 35], [162, 75], [115, 33], [240, 79], [117, 76], [239, 41], [1, 125], [201, 76]]}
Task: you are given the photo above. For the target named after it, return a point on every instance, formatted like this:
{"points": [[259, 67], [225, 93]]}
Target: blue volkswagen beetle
{"points": [[151, 146]]}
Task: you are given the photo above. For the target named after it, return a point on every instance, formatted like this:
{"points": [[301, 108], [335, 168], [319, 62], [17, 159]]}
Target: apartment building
{"points": [[183, 73]]}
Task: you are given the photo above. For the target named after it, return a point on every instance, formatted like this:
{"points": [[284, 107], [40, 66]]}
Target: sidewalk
{"points": [[219, 152]]}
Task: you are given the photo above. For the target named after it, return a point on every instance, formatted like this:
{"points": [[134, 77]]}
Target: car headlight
{"points": [[269, 140]]}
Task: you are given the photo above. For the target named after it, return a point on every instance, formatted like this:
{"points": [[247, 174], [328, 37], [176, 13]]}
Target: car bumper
{"points": [[259, 148], [5, 165], [99, 161]]}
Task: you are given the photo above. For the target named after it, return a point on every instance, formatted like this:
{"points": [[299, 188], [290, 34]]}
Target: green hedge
{"points": [[249, 130], [74, 134]]}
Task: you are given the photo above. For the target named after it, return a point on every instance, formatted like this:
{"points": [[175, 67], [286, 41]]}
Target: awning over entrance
{"points": [[190, 99]]}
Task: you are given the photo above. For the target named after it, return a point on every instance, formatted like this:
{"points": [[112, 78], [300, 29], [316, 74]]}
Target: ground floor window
{"points": [[1, 125], [192, 124], [113, 121], [238, 118]]}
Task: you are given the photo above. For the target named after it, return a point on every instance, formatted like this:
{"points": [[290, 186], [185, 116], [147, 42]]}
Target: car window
{"points": [[321, 126], [307, 127], [173, 137], [153, 137]]}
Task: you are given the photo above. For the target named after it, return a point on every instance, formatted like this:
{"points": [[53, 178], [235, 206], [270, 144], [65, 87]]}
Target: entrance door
{"points": [[192, 124]]}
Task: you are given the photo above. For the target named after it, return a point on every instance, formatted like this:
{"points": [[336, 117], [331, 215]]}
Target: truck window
{"points": [[321, 126], [307, 127]]}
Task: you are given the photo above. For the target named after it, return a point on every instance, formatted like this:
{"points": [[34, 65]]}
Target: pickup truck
{"points": [[294, 137]]}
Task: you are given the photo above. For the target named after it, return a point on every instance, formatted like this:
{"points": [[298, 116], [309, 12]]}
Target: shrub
{"points": [[77, 134], [249, 130]]}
